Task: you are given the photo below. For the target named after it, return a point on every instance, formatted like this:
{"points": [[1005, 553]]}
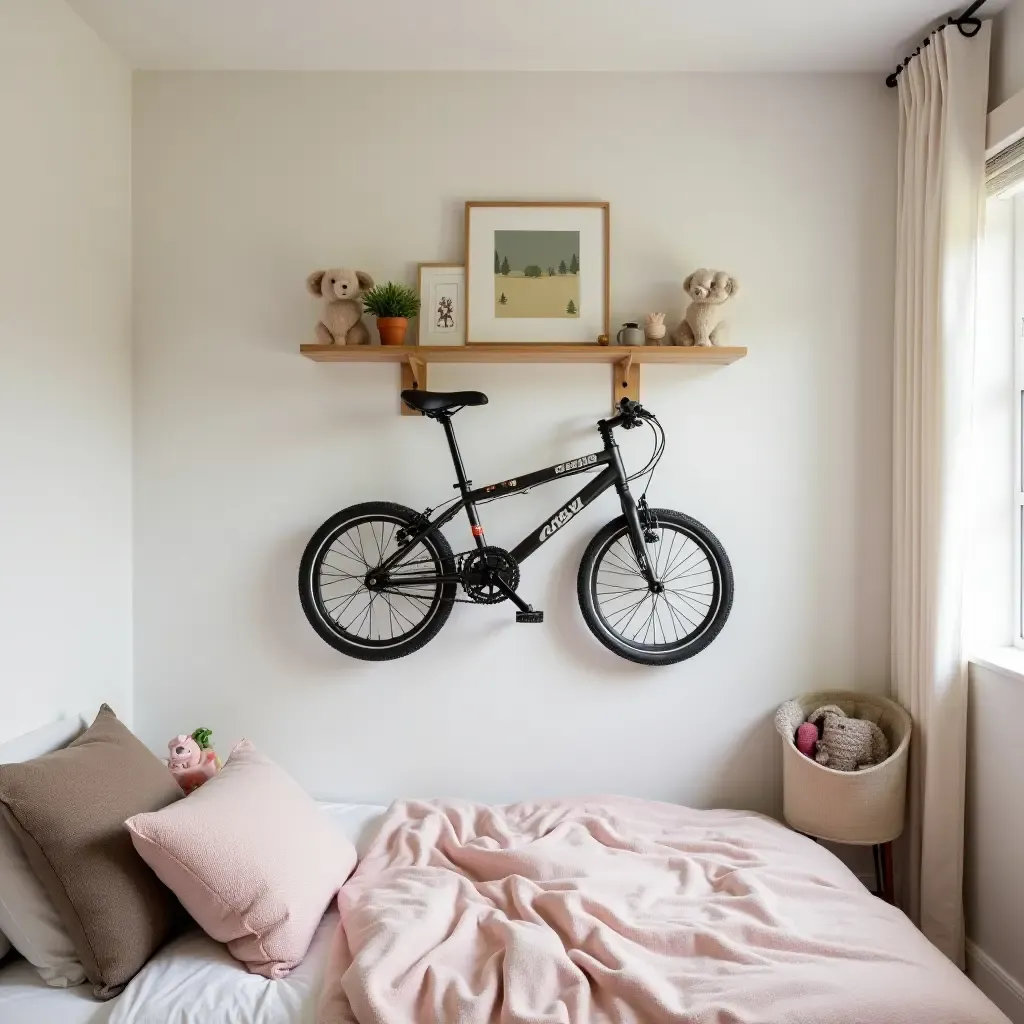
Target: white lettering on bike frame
{"points": [[560, 519], [587, 460]]}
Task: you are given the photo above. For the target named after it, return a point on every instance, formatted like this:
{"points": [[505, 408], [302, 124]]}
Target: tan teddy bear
{"points": [[702, 325], [342, 320]]}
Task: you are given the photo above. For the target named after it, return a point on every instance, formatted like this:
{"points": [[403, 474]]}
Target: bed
{"points": [[610, 910], [601, 911]]}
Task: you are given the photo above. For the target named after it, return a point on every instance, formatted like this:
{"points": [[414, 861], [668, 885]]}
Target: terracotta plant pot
{"points": [[392, 330]]}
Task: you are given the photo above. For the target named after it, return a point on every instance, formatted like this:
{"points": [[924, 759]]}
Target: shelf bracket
{"points": [[625, 380], [414, 378]]}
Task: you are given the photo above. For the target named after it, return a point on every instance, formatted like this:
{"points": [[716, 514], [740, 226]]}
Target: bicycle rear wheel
{"points": [[382, 622], [672, 624]]}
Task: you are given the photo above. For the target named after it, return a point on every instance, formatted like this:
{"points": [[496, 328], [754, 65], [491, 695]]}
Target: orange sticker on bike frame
{"points": [[478, 531]]}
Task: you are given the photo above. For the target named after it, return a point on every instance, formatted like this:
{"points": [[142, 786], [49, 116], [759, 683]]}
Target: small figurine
{"points": [[654, 328], [189, 763], [602, 339]]}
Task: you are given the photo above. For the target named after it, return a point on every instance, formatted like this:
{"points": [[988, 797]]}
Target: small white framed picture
{"points": [[442, 304]]}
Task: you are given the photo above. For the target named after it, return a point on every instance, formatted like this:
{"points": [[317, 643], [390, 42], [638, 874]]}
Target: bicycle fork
{"points": [[637, 536], [637, 529]]}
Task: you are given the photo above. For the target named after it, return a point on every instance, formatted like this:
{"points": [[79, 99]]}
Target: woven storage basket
{"points": [[861, 808]]}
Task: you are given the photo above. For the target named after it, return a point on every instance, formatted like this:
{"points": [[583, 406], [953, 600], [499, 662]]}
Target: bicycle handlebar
{"points": [[630, 415]]}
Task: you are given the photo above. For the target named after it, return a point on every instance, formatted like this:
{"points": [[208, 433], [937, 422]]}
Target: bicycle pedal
{"points": [[529, 616]]}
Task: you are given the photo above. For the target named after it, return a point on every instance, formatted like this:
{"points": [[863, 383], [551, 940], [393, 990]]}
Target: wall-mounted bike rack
{"points": [[625, 361]]}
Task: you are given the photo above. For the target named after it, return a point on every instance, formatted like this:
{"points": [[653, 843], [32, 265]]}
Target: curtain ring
{"points": [[969, 26]]}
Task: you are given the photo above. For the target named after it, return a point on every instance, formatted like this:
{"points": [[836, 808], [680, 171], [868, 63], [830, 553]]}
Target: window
{"points": [[994, 586], [998, 431]]}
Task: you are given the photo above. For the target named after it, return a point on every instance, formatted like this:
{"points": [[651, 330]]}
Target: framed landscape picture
{"points": [[442, 304], [537, 273]]}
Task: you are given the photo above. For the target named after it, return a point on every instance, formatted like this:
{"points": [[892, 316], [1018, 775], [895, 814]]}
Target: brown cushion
{"points": [[68, 811]]}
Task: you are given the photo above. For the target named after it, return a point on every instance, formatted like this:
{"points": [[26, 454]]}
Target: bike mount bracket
{"points": [[625, 380], [414, 378]]}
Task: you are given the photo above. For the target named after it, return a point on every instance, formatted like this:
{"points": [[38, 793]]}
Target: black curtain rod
{"points": [[967, 24]]}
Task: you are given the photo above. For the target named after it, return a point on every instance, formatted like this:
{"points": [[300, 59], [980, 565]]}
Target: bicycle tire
{"points": [[707, 630], [311, 597]]}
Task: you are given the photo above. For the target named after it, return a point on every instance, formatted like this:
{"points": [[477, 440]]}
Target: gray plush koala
{"points": [[848, 744]]}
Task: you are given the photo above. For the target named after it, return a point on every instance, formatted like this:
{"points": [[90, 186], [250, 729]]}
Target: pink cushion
{"points": [[251, 857]]}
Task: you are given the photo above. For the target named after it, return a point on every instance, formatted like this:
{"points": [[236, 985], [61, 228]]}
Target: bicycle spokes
{"points": [[664, 615], [367, 606]]}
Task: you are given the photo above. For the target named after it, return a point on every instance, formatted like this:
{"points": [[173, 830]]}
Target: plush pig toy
{"points": [[190, 765]]}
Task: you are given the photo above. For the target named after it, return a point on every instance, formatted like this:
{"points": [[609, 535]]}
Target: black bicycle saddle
{"points": [[442, 401]]}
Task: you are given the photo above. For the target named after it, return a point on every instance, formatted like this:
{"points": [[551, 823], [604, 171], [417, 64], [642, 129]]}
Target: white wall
{"points": [[1007, 54], [993, 893], [245, 182], [65, 368]]}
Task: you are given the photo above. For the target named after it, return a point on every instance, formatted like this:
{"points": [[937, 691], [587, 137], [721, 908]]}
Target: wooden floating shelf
{"points": [[625, 360]]}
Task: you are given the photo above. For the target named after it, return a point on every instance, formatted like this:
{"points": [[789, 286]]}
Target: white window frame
{"points": [[1018, 421]]}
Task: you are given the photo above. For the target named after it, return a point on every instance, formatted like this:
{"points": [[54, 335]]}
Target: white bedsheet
{"points": [[26, 999], [192, 980]]}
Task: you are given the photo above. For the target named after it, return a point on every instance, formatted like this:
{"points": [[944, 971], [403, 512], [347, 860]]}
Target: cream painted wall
{"points": [[993, 894], [1007, 54], [65, 369], [243, 183]]}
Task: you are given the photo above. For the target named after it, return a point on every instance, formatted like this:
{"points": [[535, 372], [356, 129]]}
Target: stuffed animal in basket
{"points": [[847, 744], [807, 739], [342, 320], [709, 290], [789, 721], [189, 763]]}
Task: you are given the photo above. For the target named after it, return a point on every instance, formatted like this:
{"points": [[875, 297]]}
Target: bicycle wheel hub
{"points": [[374, 582]]}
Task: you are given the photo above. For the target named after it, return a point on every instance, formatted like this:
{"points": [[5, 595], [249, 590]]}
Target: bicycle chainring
{"points": [[481, 567]]}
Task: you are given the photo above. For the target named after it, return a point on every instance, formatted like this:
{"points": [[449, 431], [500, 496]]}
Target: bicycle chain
{"points": [[459, 558]]}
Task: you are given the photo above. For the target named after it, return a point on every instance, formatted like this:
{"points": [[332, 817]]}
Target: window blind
{"points": [[1004, 173]]}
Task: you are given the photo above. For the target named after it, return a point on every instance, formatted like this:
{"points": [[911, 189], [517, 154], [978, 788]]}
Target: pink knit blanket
{"points": [[618, 910]]}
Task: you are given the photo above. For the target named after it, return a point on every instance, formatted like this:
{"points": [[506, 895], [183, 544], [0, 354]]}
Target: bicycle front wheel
{"points": [[375, 622], [673, 622]]}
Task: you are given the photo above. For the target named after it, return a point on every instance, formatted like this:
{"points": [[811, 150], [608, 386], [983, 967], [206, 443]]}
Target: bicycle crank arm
{"points": [[505, 589]]}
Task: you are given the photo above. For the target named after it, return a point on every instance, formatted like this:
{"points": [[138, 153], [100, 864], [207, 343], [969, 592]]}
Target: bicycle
{"points": [[378, 580]]}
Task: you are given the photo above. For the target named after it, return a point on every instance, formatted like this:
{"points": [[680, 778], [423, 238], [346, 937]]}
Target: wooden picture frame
{"points": [[544, 302], [449, 278]]}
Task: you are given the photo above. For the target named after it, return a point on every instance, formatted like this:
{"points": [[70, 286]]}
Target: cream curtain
{"points": [[943, 103]]}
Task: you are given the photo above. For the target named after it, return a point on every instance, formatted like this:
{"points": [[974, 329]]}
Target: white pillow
{"points": [[29, 919]]}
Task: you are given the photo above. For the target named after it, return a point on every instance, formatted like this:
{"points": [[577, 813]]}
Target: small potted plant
{"points": [[394, 305]]}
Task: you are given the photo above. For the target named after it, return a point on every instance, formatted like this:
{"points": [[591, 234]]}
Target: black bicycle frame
{"points": [[612, 475]]}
